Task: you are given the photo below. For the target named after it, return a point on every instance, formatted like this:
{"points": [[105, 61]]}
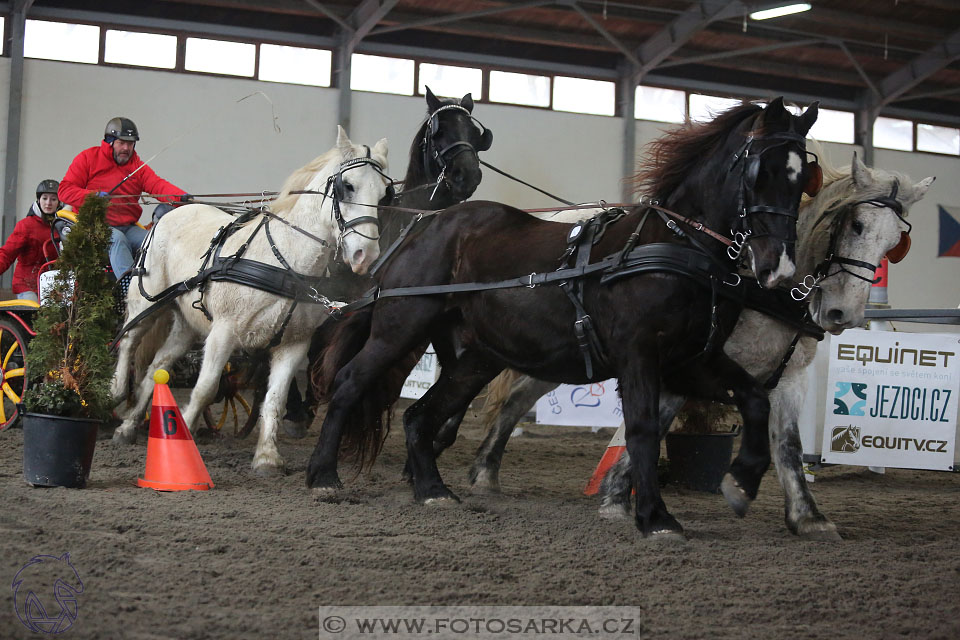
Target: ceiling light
{"points": [[776, 12]]}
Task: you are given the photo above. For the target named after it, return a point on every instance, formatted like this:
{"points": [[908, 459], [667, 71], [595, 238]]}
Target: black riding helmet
{"points": [[121, 128], [47, 186]]}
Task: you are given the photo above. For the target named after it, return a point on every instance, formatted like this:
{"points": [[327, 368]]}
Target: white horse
{"points": [[300, 234], [855, 219]]}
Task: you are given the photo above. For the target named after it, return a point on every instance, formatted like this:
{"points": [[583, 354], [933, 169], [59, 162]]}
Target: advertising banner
{"points": [[892, 400], [582, 405], [422, 377]]}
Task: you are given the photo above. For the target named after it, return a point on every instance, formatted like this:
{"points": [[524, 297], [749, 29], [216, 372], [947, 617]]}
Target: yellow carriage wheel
{"points": [[13, 378], [230, 407]]}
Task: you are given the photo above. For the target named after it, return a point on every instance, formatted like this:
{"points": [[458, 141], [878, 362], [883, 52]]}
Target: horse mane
{"points": [[819, 214], [302, 177], [668, 160]]}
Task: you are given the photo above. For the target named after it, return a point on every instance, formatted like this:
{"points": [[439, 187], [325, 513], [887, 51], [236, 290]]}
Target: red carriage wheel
{"points": [[13, 379]]}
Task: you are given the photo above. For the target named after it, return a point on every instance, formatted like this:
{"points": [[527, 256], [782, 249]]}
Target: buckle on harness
{"points": [[530, 284]]}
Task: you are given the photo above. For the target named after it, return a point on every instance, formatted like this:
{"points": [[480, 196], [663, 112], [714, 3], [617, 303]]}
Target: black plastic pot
{"points": [[699, 461], [57, 451]]}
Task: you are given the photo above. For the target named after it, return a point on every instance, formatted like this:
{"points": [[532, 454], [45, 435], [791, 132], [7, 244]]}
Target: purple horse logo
{"points": [[45, 594]]}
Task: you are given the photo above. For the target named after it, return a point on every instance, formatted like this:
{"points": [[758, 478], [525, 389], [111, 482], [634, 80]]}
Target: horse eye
{"points": [[857, 227], [348, 187]]}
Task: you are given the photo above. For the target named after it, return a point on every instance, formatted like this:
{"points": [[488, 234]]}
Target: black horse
{"points": [[658, 304], [443, 169]]}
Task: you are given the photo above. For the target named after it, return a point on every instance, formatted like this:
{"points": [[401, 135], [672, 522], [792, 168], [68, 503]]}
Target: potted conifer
{"points": [[69, 362], [700, 445]]}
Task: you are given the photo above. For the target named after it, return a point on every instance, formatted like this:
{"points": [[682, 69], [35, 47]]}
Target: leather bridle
{"points": [[443, 156]]}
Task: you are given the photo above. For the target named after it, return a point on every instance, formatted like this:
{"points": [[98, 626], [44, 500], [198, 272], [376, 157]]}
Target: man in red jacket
{"points": [[26, 243], [115, 169]]}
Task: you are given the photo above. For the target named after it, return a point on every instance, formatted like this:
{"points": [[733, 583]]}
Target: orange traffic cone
{"points": [[173, 461], [618, 444]]}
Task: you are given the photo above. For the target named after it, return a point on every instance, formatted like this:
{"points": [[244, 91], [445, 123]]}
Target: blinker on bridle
{"points": [[445, 155], [337, 192], [894, 255], [750, 171]]}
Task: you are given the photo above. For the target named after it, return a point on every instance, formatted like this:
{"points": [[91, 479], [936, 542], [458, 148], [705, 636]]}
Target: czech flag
{"points": [[949, 232]]}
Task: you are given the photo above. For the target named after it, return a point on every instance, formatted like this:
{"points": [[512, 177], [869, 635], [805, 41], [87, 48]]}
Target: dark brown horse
{"points": [[659, 312], [443, 169]]}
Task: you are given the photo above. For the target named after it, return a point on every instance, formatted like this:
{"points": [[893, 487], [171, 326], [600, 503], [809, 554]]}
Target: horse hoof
{"points": [[666, 536], [444, 501], [294, 429], [613, 510], [735, 496], [123, 437], [269, 471], [819, 532], [484, 481]]}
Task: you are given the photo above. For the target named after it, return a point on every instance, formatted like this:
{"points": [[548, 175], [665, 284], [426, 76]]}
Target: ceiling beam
{"points": [[366, 16], [914, 72], [322, 8], [458, 17], [606, 34], [679, 31]]}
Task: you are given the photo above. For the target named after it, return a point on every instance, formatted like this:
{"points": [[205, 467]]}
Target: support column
{"points": [[863, 121], [18, 21], [344, 72], [627, 89]]}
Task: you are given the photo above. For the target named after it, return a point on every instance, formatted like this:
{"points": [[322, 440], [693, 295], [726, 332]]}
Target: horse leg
{"points": [[374, 360], [283, 363], [802, 516], [640, 390], [458, 384], [711, 379], [446, 436], [485, 470], [217, 349], [297, 418], [616, 485], [120, 385], [178, 342]]}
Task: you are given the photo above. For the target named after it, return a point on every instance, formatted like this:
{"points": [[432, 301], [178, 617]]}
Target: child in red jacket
{"points": [[26, 243]]}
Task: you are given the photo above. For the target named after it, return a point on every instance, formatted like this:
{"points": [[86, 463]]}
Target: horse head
{"points": [[859, 220], [772, 172], [353, 181], [449, 144]]}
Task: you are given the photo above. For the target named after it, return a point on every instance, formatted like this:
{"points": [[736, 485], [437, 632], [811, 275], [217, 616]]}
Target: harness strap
{"points": [[774, 378]]}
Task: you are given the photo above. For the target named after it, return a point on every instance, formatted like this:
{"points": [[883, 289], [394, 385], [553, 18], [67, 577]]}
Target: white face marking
{"points": [[785, 269], [794, 166]]}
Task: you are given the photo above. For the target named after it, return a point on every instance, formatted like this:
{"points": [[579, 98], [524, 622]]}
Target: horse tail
{"points": [[367, 424], [498, 392]]}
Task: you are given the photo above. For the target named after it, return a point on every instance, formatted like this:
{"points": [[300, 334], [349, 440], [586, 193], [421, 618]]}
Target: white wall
{"points": [[228, 147]]}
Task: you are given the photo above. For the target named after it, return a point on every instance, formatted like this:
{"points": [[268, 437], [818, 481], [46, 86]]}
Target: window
{"points": [[584, 96], [519, 88], [890, 133], [938, 139], [140, 49], [704, 108], [220, 56], [449, 81], [61, 41], [383, 75], [833, 126], [661, 105], [295, 65]]}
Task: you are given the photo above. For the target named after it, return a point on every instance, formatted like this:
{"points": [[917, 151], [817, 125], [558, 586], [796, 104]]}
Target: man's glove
{"points": [[186, 198], [102, 194]]}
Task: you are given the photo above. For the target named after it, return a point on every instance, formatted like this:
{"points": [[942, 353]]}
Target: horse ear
{"points": [[380, 151], [433, 102], [467, 102], [859, 171], [343, 140], [920, 189], [807, 118], [775, 109]]}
